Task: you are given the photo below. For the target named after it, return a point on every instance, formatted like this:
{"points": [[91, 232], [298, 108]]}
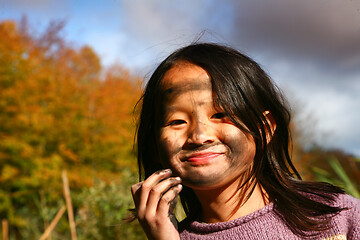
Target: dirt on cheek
{"points": [[168, 149], [241, 151]]}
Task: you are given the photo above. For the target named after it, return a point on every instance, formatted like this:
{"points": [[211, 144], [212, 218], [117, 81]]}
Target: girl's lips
{"points": [[202, 158]]}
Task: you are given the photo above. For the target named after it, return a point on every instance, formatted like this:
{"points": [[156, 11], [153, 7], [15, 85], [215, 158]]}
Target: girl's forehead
{"points": [[184, 77], [184, 72]]}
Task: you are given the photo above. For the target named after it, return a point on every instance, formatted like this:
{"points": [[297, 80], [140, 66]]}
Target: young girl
{"points": [[214, 129]]}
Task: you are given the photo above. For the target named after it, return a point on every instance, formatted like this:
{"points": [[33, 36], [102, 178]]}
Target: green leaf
{"points": [[339, 170]]}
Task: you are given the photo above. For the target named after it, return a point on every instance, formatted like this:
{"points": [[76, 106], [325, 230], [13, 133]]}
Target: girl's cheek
{"points": [[169, 147]]}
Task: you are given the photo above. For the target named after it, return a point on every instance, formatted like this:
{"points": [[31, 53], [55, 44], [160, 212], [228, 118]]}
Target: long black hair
{"points": [[245, 92]]}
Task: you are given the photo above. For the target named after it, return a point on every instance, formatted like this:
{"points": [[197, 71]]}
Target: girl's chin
{"points": [[201, 182]]}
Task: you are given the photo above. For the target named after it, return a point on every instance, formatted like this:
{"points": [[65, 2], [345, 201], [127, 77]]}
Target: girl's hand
{"points": [[154, 202]]}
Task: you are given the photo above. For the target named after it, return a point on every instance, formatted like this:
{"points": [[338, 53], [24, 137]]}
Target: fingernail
{"points": [[177, 188], [175, 180], [163, 171]]}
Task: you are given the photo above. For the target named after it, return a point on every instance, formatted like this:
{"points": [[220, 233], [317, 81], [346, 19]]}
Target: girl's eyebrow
{"points": [[170, 108]]}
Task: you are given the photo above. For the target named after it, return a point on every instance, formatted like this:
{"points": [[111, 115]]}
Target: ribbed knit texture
{"points": [[266, 224]]}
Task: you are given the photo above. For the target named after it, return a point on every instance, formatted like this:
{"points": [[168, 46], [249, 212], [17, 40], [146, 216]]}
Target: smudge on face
{"points": [[195, 140]]}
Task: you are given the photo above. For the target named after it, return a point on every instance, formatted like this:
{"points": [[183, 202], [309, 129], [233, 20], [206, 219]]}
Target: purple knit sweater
{"points": [[266, 224]]}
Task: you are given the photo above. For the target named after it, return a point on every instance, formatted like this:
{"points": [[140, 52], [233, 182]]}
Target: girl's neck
{"points": [[230, 202]]}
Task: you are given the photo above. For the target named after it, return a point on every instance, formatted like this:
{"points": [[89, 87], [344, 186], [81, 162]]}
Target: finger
{"points": [[158, 191], [167, 200], [135, 191], [146, 187]]}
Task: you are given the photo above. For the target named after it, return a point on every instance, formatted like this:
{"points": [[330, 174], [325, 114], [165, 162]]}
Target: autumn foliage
{"points": [[59, 109]]}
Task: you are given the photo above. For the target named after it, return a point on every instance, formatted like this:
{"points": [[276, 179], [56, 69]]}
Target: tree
{"points": [[58, 110]]}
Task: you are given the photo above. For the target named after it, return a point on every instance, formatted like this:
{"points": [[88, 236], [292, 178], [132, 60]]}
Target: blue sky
{"points": [[311, 48]]}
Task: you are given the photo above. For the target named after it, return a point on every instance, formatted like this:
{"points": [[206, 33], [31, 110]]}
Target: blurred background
{"points": [[71, 73]]}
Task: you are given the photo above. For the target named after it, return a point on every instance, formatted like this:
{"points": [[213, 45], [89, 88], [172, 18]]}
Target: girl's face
{"points": [[196, 140]]}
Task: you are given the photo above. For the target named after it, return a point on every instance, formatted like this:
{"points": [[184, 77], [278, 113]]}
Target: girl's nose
{"points": [[200, 133]]}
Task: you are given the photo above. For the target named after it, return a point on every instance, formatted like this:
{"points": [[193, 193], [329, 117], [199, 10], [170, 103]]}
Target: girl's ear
{"points": [[270, 127]]}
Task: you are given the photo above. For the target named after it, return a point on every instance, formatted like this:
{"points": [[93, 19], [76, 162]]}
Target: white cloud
{"points": [[327, 106]]}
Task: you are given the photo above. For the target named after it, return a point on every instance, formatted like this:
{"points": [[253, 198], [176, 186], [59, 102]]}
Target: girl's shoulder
{"points": [[347, 202], [348, 220]]}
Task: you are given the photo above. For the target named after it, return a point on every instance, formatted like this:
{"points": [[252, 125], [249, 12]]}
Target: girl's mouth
{"points": [[202, 158]]}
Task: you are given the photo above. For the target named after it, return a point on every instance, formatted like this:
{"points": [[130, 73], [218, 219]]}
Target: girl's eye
{"points": [[175, 122], [219, 115]]}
